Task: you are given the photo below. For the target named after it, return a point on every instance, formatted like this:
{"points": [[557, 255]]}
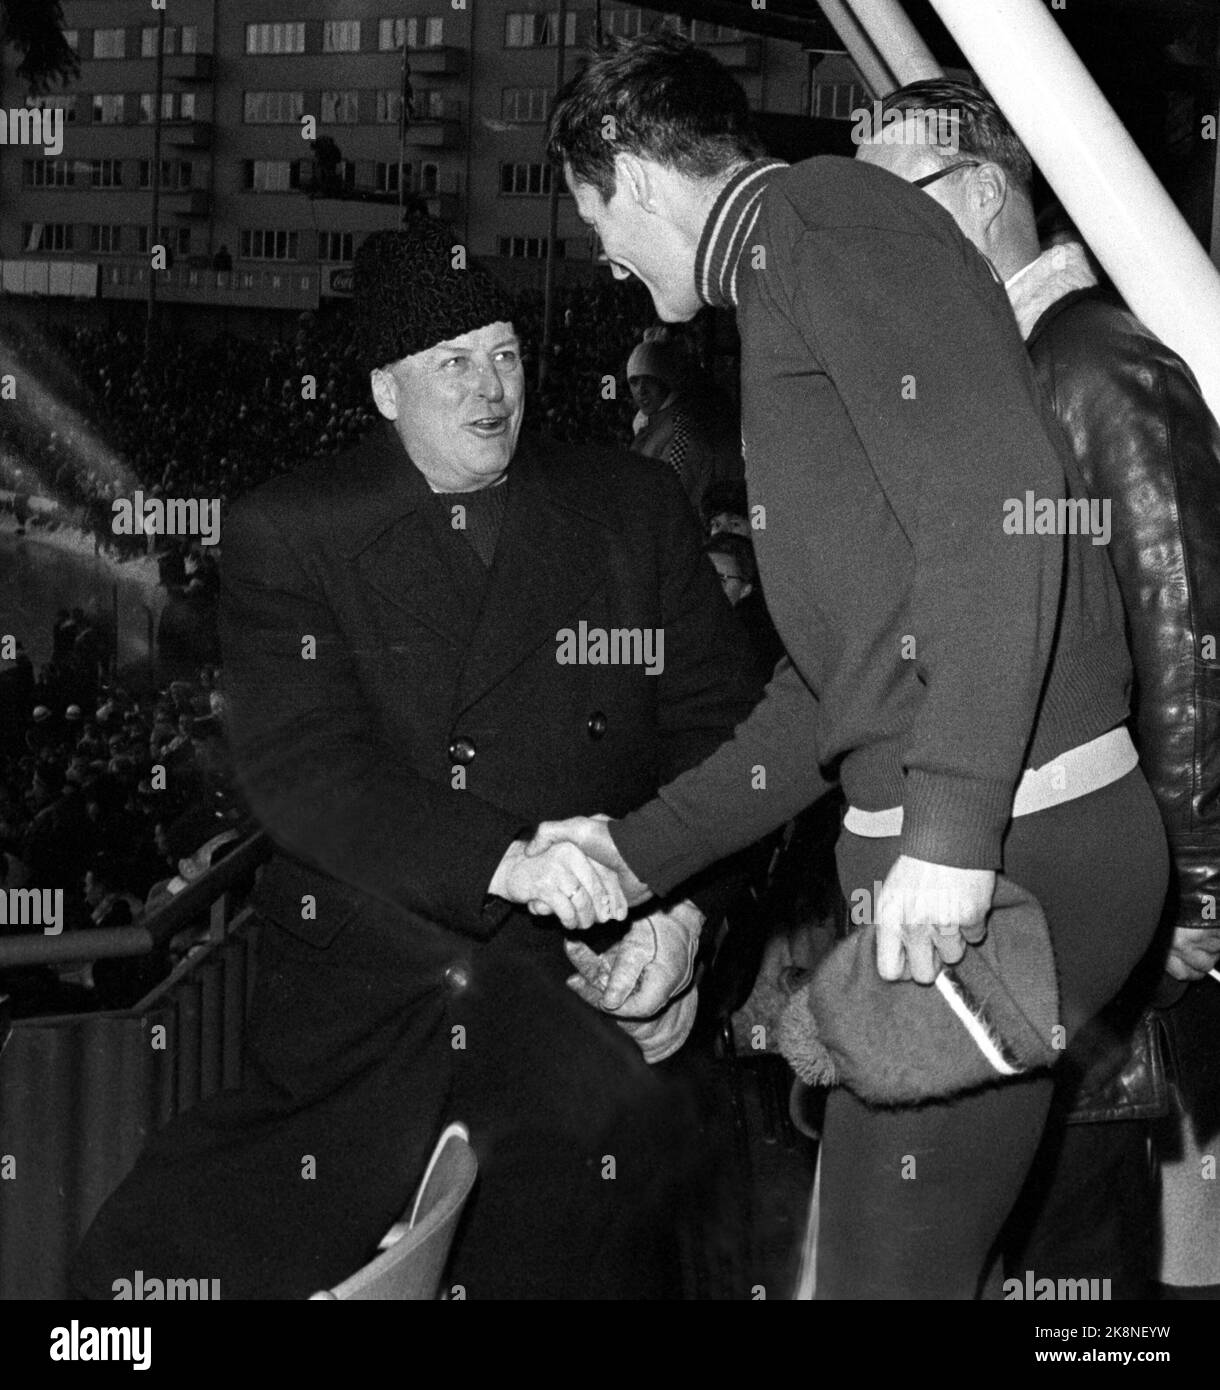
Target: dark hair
{"points": [[656, 96], [982, 130], [737, 548]]}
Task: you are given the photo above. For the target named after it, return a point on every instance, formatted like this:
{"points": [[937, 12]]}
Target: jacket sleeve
{"points": [[709, 682], [939, 392], [1147, 444], [309, 758], [760, 778]]}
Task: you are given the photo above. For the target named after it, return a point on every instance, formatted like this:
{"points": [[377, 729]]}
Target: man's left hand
{"points": [[926, 914], [640, 974]]}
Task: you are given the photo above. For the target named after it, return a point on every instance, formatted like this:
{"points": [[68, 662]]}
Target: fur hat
{"points": [[409, 296], [897, 1042]]}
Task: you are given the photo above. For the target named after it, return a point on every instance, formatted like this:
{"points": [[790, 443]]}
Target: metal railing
{"points": [[81, 1093]]}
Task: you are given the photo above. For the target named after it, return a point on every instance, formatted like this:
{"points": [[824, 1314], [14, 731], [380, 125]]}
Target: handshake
{"points": [[572, 870]]}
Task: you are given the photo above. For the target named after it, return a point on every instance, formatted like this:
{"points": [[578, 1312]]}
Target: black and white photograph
{"points": [[609, 673]]}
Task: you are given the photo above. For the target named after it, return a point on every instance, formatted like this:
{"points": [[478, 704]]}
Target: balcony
{"points": [[437, 62], [188, 67], [438, 125], [188, 135]]}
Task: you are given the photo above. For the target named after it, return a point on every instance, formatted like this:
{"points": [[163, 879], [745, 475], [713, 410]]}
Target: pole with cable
{"points": [[150, 326], [548, 292]]}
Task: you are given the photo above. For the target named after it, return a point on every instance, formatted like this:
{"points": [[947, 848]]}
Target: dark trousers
{"points": [[913, 1199]]}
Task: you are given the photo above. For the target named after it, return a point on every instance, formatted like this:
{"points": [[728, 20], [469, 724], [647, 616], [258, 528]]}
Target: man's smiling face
{"points": [[640, 240], [457, 407]]}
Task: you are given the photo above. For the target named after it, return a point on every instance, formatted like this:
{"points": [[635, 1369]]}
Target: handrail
{"points": [[107, 942]]}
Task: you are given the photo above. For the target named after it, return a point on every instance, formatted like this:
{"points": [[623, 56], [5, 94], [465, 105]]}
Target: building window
{"points": [[429, 177], [177, 240], [186, 106], [148, 41], [107, 108], [537, 30], [267, 244], [46, 173], [386, 179], [271, 175], [104, 240], [72, 39], [627, 24], [525, 178], [66, 104], [273, 108], [389, 107], [334, 246], [341, 36], [275, 38], [418, 32], [105, 173], [46, 236], [341, 108], [835, 101], [110, 43], [148, 105], [530, 248], [173, 175], [432, 106], [525, 103]]}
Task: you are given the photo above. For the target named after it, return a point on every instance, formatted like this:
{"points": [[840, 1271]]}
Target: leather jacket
{"points": [[1143, 437]]}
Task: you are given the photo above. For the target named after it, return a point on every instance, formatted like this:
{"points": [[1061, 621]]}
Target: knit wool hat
{"points": [[897, 1042], [409, 296]]}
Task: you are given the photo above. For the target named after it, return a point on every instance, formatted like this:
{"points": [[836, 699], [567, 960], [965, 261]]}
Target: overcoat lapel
{"points": [[550, 558]]}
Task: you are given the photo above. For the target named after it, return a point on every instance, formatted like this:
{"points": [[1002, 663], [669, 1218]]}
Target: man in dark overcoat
{"points": [[427, 651]]}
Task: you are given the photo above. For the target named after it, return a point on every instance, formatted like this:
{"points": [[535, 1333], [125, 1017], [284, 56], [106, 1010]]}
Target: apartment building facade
{"points": [[251, 211]]}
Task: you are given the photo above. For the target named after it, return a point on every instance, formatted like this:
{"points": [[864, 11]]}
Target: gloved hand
{"points": [[644, 979]]}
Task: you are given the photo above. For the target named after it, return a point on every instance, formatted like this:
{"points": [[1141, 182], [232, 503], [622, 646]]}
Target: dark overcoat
{"points": [[398, 715]]}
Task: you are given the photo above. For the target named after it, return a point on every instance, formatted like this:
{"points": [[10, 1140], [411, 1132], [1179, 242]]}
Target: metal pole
{"points": [[860, 49], [150, 326], [404, 121], [1101, 178], [897, 40], [548, 290]]}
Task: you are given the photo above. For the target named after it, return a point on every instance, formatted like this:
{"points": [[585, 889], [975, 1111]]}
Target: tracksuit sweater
{"points": [[902, 472]]}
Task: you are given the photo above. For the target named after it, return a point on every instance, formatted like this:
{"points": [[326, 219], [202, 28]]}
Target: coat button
{"points": [[597, 724], [462, 750], [457, 979]]}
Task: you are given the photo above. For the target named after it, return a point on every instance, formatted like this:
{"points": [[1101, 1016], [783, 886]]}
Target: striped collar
{"points": [[728, 226]]}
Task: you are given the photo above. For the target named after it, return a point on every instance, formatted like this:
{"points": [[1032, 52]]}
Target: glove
{"points": [[655, 961]]}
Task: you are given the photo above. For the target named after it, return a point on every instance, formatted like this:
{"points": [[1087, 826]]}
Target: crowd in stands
{"points": [[214, 418], [108, 794]]}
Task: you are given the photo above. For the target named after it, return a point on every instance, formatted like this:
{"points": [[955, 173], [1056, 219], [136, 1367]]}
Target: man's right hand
{"points": [[561, 880]]}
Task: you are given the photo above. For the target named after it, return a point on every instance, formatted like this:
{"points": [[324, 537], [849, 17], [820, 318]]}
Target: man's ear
{"points": [[746, 590], [385, 392], [989, 194]]}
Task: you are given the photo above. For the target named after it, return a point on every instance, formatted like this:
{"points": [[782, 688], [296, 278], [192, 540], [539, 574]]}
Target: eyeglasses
{"points": [[731, 579], [946, 171]]}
